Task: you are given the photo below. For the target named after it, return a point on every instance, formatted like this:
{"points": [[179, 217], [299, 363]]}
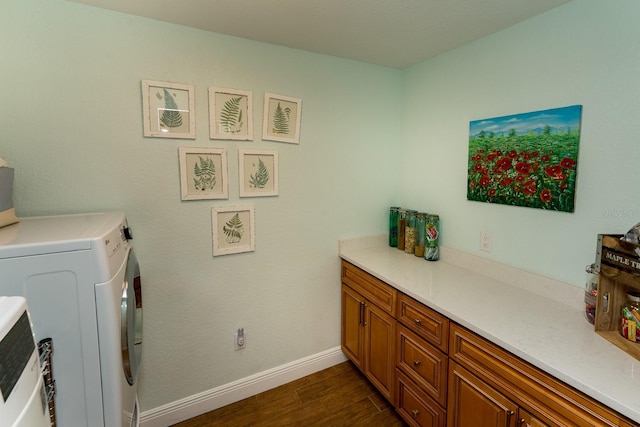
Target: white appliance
{"points": [[23, 401], [82, 283]]}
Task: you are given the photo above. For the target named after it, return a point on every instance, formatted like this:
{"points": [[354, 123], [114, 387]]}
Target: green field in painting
{"points": [[533, 170]]}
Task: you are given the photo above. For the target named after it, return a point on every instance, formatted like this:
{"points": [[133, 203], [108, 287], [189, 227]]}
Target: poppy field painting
{"points": [[528, 159]]}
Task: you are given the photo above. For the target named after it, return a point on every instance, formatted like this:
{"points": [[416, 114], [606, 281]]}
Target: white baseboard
{"points": [[218, 397]]}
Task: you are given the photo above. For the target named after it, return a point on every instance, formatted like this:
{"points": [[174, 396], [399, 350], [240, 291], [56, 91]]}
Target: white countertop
{"points": [[536, 318]]}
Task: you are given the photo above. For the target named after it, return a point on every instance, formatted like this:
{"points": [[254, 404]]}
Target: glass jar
{"points": [[393, 226], [630, 319], [591, 294], [432, 233], [420, 224], [410, 233], [402, 221]]}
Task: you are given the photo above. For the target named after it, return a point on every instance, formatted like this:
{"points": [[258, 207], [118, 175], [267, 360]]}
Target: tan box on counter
{"points": [[618, 265]]}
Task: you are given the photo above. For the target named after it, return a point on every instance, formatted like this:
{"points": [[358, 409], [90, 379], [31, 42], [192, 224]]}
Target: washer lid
{"points": [[59, 233]]}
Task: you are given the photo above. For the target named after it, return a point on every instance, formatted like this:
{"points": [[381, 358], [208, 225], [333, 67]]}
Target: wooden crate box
{"points": [[618, 265]]}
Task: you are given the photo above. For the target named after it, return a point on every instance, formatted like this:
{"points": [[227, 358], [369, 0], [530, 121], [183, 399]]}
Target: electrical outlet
{"points": [[485, 241], [240, 339]]}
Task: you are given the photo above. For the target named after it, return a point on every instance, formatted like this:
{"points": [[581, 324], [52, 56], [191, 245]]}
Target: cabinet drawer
{"points": [[423, 363], [373, 289], [429, 324], [416, 407], [531, 388]]}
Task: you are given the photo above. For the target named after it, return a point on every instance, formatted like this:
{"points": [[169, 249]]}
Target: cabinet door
{"points": [[528, 420], [352, 334], [473, 403], [379, 349]]}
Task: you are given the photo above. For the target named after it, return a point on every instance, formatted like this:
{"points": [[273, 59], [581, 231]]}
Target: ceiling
{"points": [[393, 33]]}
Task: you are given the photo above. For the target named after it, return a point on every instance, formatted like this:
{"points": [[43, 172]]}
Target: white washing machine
{"points": [[82, 284], [23, 399]]}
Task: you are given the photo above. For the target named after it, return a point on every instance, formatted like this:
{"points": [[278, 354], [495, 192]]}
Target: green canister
{"points": [[393, 226], [432, 233]]}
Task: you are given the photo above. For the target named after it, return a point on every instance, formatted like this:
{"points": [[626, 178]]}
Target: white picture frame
{"points": [[257, 173], [168, 110], [203, 173], [230, 114], [233, 229], [281, 118]]}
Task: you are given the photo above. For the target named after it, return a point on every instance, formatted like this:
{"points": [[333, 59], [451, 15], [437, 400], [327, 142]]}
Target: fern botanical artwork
{"points": [[233, 229], [203, 173], [258, 173], [168, 110], [281, 121], [230, 114]]}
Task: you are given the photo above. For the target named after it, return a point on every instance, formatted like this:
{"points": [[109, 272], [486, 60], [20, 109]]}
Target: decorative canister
{"points": [[393, 226], [410, 232], [432, 233], [420, 229], [402, 222]]}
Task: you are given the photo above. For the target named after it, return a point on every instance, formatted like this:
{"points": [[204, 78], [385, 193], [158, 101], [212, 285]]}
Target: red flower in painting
{"points": [[492, 192], [545, 196], [529, 187], [523, 168], [506, 182], [484, 181], [513, 154], [502, 165], [520, 178], [544, 158], [555, 172], [567, 163], [477, 167], [491, 157]]}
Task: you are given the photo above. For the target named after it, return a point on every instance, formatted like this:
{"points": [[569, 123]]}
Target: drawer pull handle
{"points": [[415, 413], [416, 362], [418, 321]]}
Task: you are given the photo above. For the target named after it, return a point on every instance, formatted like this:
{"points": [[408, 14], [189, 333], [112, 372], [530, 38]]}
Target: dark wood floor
{"points": [[337, 396]]}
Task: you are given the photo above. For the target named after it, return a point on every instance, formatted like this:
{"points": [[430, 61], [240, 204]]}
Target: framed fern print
{"points": [[230, 114], [168, 110], [203, 173], [258, 173], [281, 120], [233, 229]]}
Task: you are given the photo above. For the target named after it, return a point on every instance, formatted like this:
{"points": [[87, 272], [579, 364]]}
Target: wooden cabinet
{"points": [[352, 326], [527, 420], [368, 330], [542, 399], [424, 364], [415, 406], [429, 324], [421, 362], [473, 403], [439, 373]]}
